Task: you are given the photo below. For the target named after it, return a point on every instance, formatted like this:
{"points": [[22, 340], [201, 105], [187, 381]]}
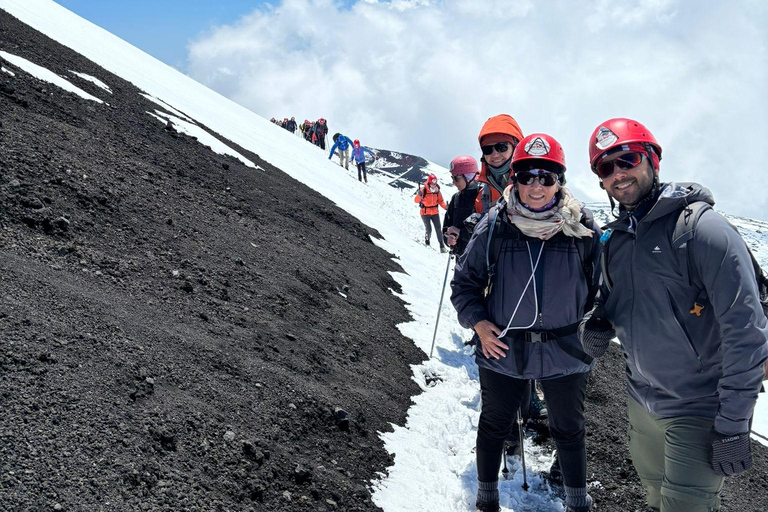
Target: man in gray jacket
{"points": [[694, 352]]}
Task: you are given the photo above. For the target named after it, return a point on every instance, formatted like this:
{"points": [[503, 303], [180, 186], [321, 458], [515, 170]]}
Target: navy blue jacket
{"points": [[562, 293]]}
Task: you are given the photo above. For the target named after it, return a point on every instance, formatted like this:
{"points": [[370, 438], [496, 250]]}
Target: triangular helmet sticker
{"points": [[537, 147], [605, 138]]}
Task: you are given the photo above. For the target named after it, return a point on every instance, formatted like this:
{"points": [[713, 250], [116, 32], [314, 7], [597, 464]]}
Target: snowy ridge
{"points": [[434, 466]]}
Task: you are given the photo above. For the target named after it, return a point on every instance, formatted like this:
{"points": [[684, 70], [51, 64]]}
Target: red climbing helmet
{"points": [[356, 143], [617, 132], [431, 179], [539, 146], [464, 165]]}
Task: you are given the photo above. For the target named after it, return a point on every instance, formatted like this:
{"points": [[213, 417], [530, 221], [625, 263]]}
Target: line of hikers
{"points": [[312, 131], [545, 291]]}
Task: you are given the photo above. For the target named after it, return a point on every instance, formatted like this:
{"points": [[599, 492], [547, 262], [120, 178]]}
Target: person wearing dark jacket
{"points": [[694, 349], [319, 131], [462, 204], [525, 310], [291, 125]]}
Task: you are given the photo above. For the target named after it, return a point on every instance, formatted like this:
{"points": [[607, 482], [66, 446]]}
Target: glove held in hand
{"points": [[730, 454], [595, 334]]}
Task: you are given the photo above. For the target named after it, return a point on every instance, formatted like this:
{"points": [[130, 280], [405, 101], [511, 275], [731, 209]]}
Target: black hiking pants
{"points": [[428, 220], [501, 395], [361, 168]]}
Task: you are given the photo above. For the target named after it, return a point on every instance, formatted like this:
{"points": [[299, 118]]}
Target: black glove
{"points": [[471, 221], [595, 332], [730, 454], [421, 205]]}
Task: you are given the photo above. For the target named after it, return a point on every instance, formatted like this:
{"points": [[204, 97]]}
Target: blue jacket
{"points": [[561, 293], [680, 363], [343, 143], [358, 154]]}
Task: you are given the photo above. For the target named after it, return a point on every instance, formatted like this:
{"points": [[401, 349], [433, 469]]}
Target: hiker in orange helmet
{"points": [[498, 139]]}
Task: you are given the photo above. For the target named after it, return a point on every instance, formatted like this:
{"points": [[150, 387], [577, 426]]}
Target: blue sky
{"points": [[161, 28]]}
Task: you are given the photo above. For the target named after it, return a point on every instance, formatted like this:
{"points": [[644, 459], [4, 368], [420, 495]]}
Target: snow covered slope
{"points": [[434, 467]]}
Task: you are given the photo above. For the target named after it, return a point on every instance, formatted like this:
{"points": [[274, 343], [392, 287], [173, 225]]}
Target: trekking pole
{"points": [[505, 469], [522, 449], [439, 307]]}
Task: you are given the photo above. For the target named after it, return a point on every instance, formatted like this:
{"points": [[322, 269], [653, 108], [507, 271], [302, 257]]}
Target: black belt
{"points": [[550, 335]]}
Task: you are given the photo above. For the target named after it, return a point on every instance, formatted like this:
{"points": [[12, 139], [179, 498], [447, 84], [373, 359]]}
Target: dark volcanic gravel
{"points": [[172, 336]]}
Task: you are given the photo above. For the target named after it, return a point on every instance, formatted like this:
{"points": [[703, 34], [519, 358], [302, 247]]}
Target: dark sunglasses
{"points": [[546, 178], [625, 162], [500, 147]]}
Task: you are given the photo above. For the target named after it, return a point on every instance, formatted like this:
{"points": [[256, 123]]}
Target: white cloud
{"points": [[422, 76]]}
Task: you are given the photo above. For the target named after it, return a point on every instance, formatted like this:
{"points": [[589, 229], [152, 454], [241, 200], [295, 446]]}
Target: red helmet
{"points": [[321, 120], [539, 146], [463, 165], [356, 143], [431, 179], [617, 132]]}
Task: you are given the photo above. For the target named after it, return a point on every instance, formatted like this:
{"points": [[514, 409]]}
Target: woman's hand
{"points": [[491, 345]]}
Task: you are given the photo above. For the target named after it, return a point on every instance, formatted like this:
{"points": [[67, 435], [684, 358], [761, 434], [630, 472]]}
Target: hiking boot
{"points": [[537, 410], [444, 249], [512, 448], [426, 240], [487, 507]]}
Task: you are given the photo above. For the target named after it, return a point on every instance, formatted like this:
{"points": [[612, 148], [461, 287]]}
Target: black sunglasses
{"points": [[500, 147], [625, 162], [546, 178]]}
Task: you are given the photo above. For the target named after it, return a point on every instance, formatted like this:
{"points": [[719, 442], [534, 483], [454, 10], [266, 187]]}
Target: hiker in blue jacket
{"points": [[525, 308], [358, 156], [688, 315], [343, 143]]}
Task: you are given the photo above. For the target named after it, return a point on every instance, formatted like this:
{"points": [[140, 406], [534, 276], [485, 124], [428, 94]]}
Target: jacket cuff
{"points": [[477, 316], [730, 427]]}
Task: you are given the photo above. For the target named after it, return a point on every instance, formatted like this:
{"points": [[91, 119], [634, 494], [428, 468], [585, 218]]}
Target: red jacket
{"points": [[429, 201]]}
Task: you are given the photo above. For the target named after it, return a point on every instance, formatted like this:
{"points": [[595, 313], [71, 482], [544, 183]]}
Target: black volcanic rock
{"points": [[139, 324]]}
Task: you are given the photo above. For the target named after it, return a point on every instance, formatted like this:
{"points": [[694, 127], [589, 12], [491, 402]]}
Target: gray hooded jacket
{"points": [[678, 363], [559, 301]]}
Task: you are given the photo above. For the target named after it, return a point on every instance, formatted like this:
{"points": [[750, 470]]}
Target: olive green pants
{"points": [[671, 456]]}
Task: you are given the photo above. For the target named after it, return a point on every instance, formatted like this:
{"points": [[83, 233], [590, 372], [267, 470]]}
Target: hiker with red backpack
{"points": [[679, 289], [523, 284], [429, 198], [319, 131], [358, 156]]}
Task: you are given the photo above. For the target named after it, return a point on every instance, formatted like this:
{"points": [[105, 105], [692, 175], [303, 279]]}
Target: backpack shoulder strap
{"points": [[685, 228], [584, 247]]}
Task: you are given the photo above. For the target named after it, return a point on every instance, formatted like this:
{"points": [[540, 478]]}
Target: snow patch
{"points": [[93, 80], [168, 108], [202, 136], [5, 70], [46, 75]]}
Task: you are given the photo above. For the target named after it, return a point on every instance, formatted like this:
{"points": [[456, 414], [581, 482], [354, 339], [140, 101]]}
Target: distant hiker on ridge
{"points": [[524, 292], [428, 198], [343, 143], [679, 287], [291, 125], [358, 155]]}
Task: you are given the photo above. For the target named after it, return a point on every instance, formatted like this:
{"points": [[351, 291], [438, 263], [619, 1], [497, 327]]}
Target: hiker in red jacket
{"points": [[428, 198]]}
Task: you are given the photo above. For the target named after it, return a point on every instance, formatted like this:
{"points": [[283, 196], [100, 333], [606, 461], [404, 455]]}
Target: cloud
{"points": [[422, 76]]}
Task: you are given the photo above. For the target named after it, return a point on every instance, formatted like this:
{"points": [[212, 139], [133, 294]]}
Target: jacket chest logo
{"points": [[656, 250]]}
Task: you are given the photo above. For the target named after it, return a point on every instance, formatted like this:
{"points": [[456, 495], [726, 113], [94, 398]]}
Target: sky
{"points": [[422, 76]]}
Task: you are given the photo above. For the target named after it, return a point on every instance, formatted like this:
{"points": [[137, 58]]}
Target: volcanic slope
{"points": [[178, 330]]}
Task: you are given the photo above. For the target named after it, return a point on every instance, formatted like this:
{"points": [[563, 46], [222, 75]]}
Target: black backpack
{"points": [[499, 231], [684, 231]]}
